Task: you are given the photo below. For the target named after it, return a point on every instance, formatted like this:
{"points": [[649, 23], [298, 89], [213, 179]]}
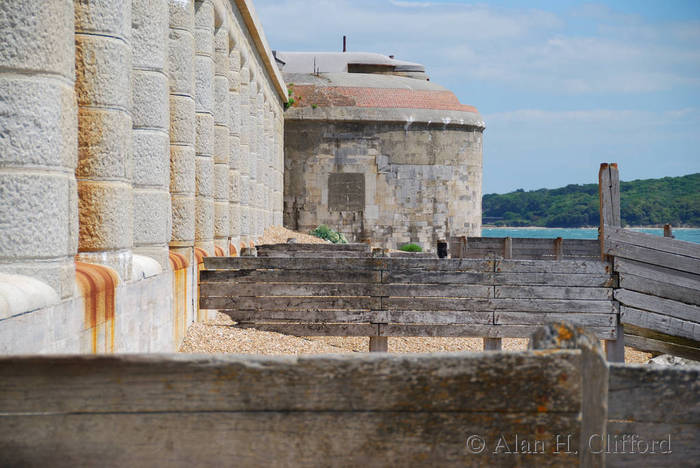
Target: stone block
{"points": [[204, 84], [38, 38], [204, 219], [181, 14], [221, 182], [150, 100], [151, 216], [221, 219], [36, 214], [234, 186], [182, 120], [221, 145], [234, 142], [183, 218], [234, 105], [181, 62], [38, 122], [182, 169], [204, 176], [204, 134], [149, 34], [204, 43], [234, 219], [204, 15], [103, 71], [104, 143], [151, 158], [107, 17], [221, 55], [221, 101], [106, 215]]}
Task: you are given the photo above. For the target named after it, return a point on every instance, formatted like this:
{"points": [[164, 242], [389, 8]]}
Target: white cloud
{"points": [[521, 48]]}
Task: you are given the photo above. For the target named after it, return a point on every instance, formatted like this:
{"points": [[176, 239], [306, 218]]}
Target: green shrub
{"points": [[411, 248], [324, 232]]}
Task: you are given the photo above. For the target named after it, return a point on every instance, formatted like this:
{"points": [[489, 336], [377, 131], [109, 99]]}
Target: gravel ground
{"points": [[279, 235], [218, 336]]}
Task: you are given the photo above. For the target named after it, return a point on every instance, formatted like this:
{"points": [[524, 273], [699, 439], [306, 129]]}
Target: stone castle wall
{"points": [[375, 174], [136, 136]]}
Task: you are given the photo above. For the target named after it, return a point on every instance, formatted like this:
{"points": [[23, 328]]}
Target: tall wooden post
{"points": [[609, 192]]}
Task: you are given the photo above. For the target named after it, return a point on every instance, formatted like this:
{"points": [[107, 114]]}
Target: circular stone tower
{"points": [[378, 152]]}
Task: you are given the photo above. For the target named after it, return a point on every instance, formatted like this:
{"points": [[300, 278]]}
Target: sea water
{"points": [[689, 235]]}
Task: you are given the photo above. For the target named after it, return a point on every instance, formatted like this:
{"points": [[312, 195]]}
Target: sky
{"points": [[562, 85]]}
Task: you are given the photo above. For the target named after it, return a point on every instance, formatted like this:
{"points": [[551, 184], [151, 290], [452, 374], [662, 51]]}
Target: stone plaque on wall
{"points": [[346, 192]]}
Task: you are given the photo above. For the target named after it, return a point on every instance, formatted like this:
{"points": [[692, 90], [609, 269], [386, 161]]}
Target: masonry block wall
{"points": [[386, 159], [131, 133]]}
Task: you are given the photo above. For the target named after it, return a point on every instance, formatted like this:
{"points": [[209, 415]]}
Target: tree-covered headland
{"points": [[650, 202]]}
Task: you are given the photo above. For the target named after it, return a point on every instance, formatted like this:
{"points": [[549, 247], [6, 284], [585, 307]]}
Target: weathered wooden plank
{"points": [[478, 331], [290, 303], [553, 292], [553, 279], [325, 247], [269, 438], [656, 335], [306, 316], [529, 318], [347, 264], [314, 329], [661, 323], [437, 303], [225, 289], [657, 288], [437, 264], [658, 305], [683, 449], [291, 289], [595, 267], [313, 254], [651, 345], [436, 317], [437, 277], [650, 241], [290, 263], [412, 255], [350, 382], [657, 273], [644, 393], [437, 290], [288, 276], [554, 305], [654, 257]]}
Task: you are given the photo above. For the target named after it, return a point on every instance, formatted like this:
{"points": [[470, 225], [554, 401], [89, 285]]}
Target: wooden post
{"points": [[379, 344], [496, 344], [668, 232], [609, 193], [508, 247], [492, 344], [558, 248]]}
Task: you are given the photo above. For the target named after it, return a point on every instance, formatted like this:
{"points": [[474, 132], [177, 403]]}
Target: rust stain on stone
{"points": [[179, 265], [219, 252], [98, 285], [199, 255], [232, 250]]}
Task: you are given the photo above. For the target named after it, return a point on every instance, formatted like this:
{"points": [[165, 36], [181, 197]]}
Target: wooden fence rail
{"points": [[409, 296], [659, 281], [339, 410]]}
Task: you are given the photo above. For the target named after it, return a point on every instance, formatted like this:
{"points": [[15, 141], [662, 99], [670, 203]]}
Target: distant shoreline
{"points": [[489, 226]]}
